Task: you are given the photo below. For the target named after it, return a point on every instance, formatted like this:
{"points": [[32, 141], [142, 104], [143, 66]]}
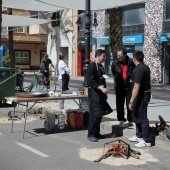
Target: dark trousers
{"points": [[94, 126], [123, 94], [65, 82], [143, 129], [46, 78]]}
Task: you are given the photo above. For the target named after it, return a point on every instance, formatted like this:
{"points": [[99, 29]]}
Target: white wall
{"points": [[53, 47], [62, 38]]}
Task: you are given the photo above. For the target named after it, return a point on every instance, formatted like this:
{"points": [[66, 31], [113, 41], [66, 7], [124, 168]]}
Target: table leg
{"points": [[25, 120], [78, 103], [13, 119], [32, 106]]}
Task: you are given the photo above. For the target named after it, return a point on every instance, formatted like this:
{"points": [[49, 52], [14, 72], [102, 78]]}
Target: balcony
{"points": [[38, 29]]}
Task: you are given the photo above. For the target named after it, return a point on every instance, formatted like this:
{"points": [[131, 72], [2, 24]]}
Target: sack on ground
{"points": [[49, 122]]}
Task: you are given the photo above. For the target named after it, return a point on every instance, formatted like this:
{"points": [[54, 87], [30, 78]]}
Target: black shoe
{"points": [[124, 119], [99, 136], [92, 139]]}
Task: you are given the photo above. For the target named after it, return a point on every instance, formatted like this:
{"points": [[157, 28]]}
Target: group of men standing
{"points": [[132, 84]]}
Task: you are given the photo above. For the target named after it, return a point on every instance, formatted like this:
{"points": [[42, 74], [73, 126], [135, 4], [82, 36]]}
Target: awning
{"points": [[14, 21], [55, 5]]}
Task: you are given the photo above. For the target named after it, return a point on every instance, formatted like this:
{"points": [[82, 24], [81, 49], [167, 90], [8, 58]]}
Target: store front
{"points": [[81, 54], [165, 39], [131, 44]]}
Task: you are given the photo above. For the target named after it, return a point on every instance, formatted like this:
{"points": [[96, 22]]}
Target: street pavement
{"points": [[67, 150], [70, 150]]}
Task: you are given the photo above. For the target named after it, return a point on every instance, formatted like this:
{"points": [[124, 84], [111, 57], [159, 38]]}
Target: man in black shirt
{"points": [[139, 100], [97, 95], [122, 69], [45, 64]]}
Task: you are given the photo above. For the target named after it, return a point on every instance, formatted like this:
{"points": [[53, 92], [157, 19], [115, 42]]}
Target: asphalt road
{"points": [[60, 150], [66, 149]]}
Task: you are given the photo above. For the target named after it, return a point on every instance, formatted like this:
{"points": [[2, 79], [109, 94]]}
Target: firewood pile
{"points": [[38, 112], [118, 148], [16, 117]]}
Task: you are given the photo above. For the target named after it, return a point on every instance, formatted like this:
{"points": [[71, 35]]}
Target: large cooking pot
{"points": [[32, 94]]}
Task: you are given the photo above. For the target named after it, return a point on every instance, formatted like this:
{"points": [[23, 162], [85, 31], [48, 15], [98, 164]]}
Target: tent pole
{"points": [[87, 39]]}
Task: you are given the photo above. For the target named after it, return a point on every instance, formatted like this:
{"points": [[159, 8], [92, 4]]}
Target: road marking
{"points": [[66, 139], [32, 150], [167, 88], [157, 88]]}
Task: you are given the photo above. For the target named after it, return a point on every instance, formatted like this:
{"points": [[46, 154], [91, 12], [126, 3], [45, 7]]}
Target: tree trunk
{"points": [[10, 40], [115, 21], [0, 19]]}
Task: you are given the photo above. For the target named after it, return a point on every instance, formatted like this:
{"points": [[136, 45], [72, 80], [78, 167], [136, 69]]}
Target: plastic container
{"points": [[61, 121]]}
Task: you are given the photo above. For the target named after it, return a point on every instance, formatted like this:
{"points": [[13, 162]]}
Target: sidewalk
{"points": [[110, 81]]}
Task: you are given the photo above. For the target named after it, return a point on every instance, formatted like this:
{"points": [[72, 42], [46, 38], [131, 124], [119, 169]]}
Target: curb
{"points": [[113, 128]]}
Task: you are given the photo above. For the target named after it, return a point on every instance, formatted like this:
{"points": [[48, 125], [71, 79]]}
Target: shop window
{"points": [[18, 29], [134, 14], [168, 9], [56, 17], [22, 57]]}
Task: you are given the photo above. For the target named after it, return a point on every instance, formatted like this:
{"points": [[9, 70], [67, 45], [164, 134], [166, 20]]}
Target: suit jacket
{"points": [[117, 73]]}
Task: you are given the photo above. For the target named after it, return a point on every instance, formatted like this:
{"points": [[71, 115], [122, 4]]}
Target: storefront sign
{"points": [[93, 41], [164, 37], [103, 41], [126, 40], [132, 39]]}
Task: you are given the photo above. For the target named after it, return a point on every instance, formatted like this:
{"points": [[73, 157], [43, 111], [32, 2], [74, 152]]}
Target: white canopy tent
{"points": [[55, 5], [14, 21]]}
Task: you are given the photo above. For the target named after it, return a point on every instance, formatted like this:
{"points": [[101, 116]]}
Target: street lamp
{"points": [[87, 40]]}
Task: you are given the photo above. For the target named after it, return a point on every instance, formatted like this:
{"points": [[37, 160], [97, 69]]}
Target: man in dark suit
{"points": [[122, 69]]}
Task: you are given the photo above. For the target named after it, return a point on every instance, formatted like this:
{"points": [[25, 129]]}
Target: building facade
{"points": [[146, 27], [29, 43], [62, 38]]}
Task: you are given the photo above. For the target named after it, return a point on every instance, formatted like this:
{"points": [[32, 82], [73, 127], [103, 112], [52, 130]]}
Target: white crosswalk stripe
{"points": [[32, 150]]}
